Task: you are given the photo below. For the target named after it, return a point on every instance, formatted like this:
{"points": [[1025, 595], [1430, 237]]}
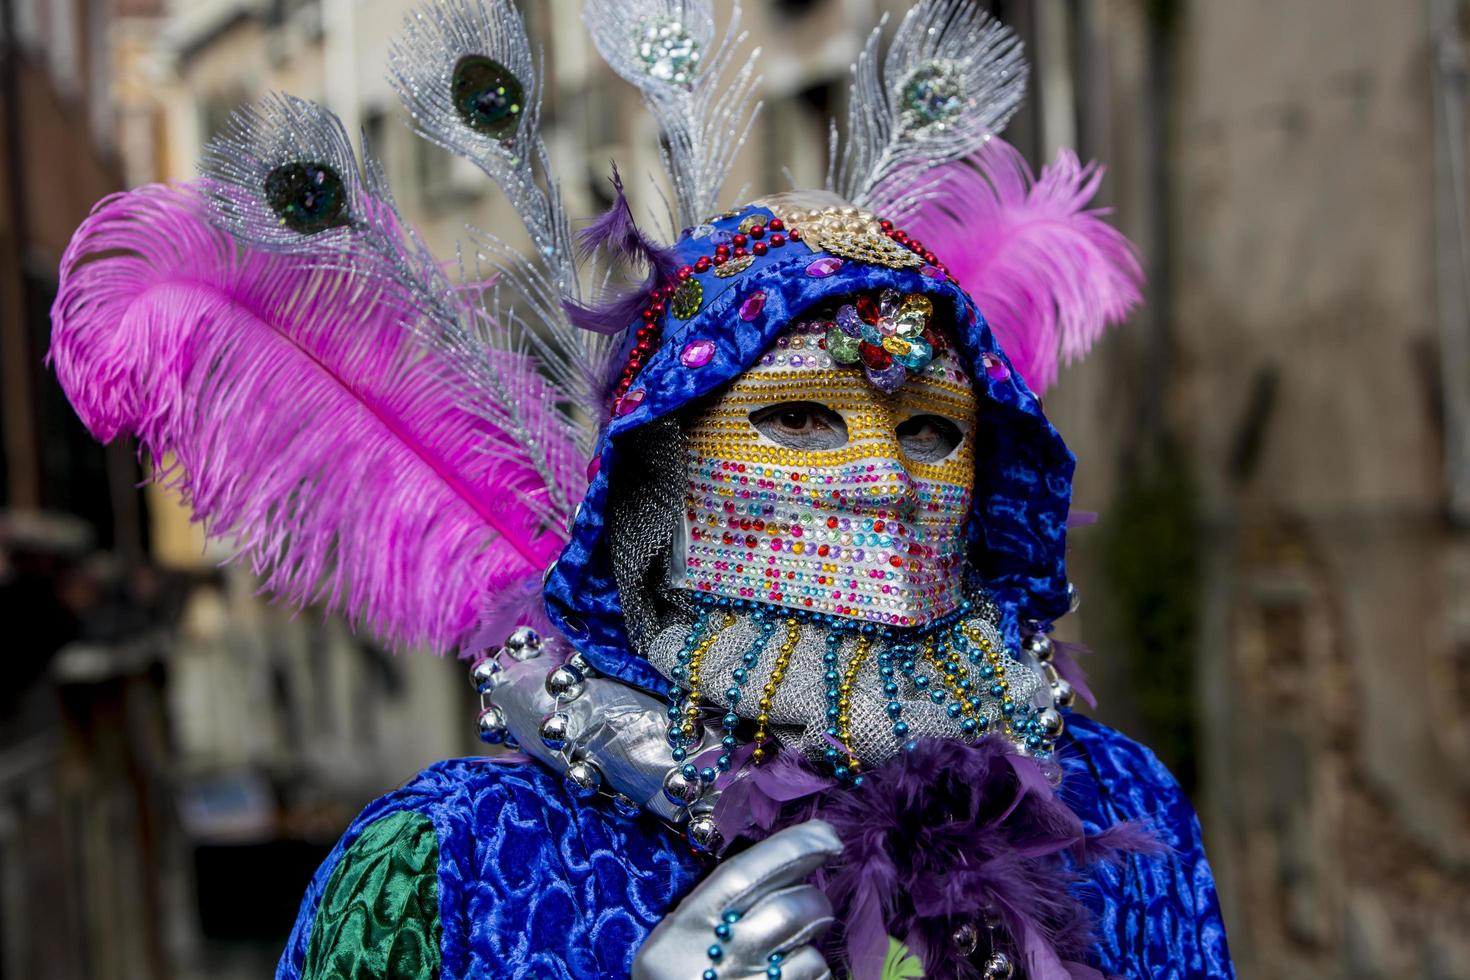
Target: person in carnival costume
{"points": [[778, 656]]}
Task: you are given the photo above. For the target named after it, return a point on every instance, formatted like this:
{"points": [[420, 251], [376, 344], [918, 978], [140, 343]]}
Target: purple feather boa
{"points": [[937, 837], [616, 233]]}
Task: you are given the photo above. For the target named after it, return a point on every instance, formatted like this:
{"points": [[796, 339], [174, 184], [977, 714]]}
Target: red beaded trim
{"points": [[759, 240], [913, 245]]}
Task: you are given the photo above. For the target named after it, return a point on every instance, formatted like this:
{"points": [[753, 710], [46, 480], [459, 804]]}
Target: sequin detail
{"points": [[752, 306], [668, 51], [932, 96], [629, 402], [735, 266], [687, 299], [697, 353]]}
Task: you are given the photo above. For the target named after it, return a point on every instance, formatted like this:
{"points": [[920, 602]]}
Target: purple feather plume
{"points": [[937, 837], [617, 235], [1048, 273], [299, 415]]}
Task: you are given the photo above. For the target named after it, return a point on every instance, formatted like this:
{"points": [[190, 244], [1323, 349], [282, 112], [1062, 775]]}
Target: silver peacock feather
{"points": [[283, 176], [466, 74], [671, 50], [952, 78]]}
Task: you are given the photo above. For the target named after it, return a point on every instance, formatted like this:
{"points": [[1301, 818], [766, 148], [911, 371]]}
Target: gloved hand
{"points": [[617, 728], [759, 897]]}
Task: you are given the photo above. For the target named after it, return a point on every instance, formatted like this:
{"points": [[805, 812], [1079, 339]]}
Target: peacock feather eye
{"points": [[932, 96], [307, 197], [487, 96]]}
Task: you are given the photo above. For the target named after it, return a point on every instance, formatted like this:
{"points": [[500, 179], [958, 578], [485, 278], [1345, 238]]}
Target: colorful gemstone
{"points": [[917, 356], [824, 267], [875, 357], [752, 306], [888, 379], [848, 321], [594, 466], [910, 323], [932, 272], [688, 298], [995, 368], [842, 346], [629, 402], [918, 303], [869, 308], [896, 346], [889, 302], [697, 353]]}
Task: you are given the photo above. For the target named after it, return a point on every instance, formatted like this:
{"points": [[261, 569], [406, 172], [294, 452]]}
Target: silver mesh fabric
{"points": [[798, 708], [644, 513]]}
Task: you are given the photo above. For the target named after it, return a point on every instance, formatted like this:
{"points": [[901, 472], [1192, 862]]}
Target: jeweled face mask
{"points": [[836, 475]]}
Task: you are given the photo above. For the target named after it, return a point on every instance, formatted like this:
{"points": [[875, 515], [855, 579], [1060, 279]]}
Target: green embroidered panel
{"points": [[379, 914]]}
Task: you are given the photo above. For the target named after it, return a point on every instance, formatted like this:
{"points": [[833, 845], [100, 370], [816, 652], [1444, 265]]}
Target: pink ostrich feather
{"points": [[303, 416], [1048, 273]]}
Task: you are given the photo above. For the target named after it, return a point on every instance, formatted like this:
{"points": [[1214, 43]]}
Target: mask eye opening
{"points": [[928, 438], [805, 425]]}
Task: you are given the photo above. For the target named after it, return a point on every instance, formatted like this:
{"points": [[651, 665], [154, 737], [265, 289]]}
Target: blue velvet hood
{"points": [[1023, 469]]}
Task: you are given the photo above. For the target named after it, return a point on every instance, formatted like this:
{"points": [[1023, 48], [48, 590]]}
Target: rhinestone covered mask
{"points": [[811, 488]]}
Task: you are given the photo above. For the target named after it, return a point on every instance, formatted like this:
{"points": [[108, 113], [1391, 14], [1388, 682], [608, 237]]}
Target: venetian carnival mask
{"points": [[822, 536], [836, 474]]}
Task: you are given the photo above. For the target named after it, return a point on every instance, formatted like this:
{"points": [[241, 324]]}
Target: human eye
{"points": [[928, 438], [801, 425]]}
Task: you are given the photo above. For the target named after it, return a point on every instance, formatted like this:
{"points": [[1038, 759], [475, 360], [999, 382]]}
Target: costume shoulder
{"points": [[1158, 914], [572, 888]]}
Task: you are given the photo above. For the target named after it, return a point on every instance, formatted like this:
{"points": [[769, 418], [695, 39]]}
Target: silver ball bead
{"points": [[999, 967], [1039, 645], [704, 834], [584, 780], [625, 806], [556, 730], [482, 675], [524, 644], [492, 726], [1062, 693], [581, 664], [679, 789], [1074, 598], [565, 683], [1052, 722], [1050, 671], [966, 939]]}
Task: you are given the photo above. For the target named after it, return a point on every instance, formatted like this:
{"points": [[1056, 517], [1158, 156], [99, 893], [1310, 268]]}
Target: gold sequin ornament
{"points": [[688, 298], [734, 267], [871, 249]]}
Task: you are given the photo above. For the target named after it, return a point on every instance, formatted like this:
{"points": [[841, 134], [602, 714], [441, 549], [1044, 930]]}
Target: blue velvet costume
{"points": [[533, 883]]}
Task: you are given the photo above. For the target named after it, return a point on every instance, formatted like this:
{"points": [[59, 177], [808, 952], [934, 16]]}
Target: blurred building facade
{"points": [[1276, 444]]}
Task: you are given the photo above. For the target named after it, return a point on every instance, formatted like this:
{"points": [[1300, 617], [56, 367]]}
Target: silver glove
{"points": [[615, 727], [760, 897]]}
